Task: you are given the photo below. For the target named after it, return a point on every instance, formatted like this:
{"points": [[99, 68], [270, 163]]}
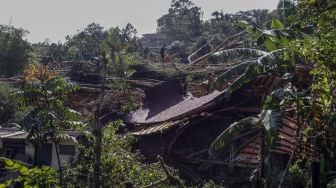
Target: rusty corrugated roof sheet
{"points": [[249, 154], [188, 104]]}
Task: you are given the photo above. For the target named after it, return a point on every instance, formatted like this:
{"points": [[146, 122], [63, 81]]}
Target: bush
{"points": [[119, 164]]}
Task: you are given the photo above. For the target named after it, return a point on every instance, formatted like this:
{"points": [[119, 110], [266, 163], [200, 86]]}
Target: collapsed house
{"points": [[181, 128]]}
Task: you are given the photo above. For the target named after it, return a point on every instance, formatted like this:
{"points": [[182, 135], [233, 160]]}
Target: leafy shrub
{"points": [[29, 177], [118, 163]]}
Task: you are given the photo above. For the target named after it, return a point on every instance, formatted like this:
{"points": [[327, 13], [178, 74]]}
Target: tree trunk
{"points": [[59, 164]]}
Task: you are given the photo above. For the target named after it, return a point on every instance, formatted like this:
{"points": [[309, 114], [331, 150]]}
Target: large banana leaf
{"points": [[271, 119], [234, 130], [238, 52], [251, 72], [241, 53], [248, 71], [231, 73], [271, 60]]}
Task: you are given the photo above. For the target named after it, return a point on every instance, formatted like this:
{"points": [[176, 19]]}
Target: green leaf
{"points": [[277, 24], [322, 20], [269, 44], [284, 41], [311, 1], [242, 24], [9, 162], [24, 170]]}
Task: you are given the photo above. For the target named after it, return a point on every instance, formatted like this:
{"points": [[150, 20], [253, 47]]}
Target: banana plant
{"points": [[273, 55], [268, 121]]}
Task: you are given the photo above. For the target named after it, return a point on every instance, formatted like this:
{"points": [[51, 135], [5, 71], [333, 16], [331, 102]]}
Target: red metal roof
{"points": [[249, 154]]}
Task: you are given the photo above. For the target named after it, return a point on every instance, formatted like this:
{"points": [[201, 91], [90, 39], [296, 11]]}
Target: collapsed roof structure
{"points": [[181, 128]]}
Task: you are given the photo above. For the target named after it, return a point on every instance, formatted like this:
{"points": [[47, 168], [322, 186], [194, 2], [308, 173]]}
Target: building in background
{"points": [[154, 40]]}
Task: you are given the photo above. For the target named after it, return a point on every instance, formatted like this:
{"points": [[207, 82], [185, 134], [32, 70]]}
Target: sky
{"points": [[54, 19]]}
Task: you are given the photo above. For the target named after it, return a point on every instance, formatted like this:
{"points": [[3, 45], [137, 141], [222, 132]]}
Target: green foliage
{"points": [[297, 47], [225, 55], [298, 175], [249, 70], [8, 111], [332, 184], [117, 172], [183, 21], [276, 24], [15, 52], [87, 42], [49, 118], [29, 176], [118, 162], [269, 121], [116, 47], [50, 52], [46, 94]]}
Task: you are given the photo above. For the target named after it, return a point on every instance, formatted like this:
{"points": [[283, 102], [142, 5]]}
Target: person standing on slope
{"points": [[162, 52]]}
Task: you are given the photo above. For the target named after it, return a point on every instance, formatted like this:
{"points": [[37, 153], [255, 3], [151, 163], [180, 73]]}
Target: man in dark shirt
{"points": [[146, 52], [163, 51]]}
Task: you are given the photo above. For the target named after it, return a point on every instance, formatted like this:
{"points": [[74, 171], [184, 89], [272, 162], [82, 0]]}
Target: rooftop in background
{"points": [[12, 132], [16, 133], [154, 40], [155, 36]]}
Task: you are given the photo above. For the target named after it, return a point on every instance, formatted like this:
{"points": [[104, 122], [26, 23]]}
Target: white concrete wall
{"points": [[63, 158], [30, 151]]}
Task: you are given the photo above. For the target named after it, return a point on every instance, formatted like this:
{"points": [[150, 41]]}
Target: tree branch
{"points": [[220, 46]]}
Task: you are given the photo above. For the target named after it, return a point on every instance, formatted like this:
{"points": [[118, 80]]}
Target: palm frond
{"points": [[271, 119], [234, 130], [224, 55], [249, 70], [231, 73], [237, 52]]}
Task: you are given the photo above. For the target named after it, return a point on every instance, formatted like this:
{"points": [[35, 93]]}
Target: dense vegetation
{"points": [[297, 41]]}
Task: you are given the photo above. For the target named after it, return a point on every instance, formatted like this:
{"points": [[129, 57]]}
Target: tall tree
{"points": [[87, 41], [15, 52], [183, 21], [49, 119]]}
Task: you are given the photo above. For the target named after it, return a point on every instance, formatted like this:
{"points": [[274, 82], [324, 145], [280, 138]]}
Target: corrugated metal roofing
{"points": [[9, 132], [191, 105], [285, 145], [157, 128], [18, 135]]}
